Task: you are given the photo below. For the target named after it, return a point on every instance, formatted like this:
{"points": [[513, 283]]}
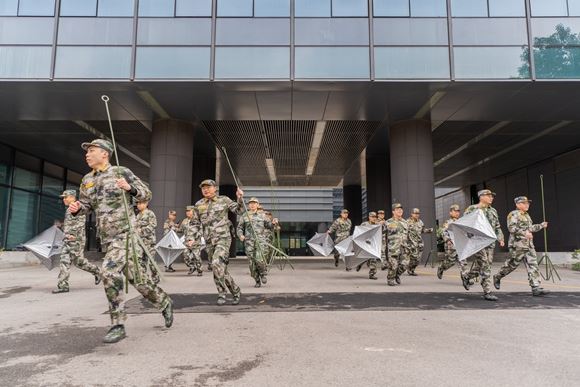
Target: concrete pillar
{"points": [[378, 172], [352, 197], [171, 168], [412, 185], [230, 191]]}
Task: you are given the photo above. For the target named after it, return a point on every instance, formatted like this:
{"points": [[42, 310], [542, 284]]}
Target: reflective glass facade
{"points": [[29, 195], [303, 39]]}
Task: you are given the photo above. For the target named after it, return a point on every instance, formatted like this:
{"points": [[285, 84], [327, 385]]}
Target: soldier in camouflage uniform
{"points": [[484, 257], [415, 243], [341, 228], [102, 192], [521, 246], [450, 252], [271, 234], [372, 263], [255, 244], [170, 225], [381, 219], [73, 246], [146, 225], [397, 230], [192, 242], [192, 254], [213, 223]]}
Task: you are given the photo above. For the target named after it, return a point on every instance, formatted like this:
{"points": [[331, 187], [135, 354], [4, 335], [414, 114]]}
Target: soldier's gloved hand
{"points": [[122, 183], [545, 224], [239, 193]]}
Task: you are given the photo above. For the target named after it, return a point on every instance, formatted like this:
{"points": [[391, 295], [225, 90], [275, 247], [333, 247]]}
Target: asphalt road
{"points": [[315, 326]]}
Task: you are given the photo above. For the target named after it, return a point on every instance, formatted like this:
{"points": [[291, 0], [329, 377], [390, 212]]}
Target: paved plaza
{"points": [[314, 326]]}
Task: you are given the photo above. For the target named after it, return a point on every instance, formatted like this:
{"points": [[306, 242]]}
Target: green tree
{"points": [[555, 56]]}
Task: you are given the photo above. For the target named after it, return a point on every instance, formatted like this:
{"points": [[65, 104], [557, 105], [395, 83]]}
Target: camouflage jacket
{"points": [[261, 225], [341, 228], [212, 217], [190, 231], [100, 194], [397, 235], [74, 226], [146, 225], [416, 228], [518, 223], [491, 215], [445, 234], [169, 225]]}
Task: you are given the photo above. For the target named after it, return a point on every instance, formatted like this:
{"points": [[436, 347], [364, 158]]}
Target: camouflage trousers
{"points": [[373, 266], [72, 252], [482, 267], [451, 259], [516, 256], [218, 254], [144, 261], [415, 253], [337, 240], [257, 261], [113, 273], [192, 258], [396, 265]]}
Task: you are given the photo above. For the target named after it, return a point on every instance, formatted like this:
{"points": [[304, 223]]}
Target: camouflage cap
{"points": [[454, 207], [485, 192], [254, 199], [415, 211], [99, 143], [396, 205], [189, 208], [141, 201], [68, 192], [372, 213], [344, 211], [207, 182], [522, 199], [381, 212]]}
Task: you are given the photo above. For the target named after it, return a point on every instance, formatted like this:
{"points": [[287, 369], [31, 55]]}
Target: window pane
{"points": [[252, 62], [507, 8], [156, 8], [26, 179], [557, 62], [574, 7], [556, 32], [93, 62], [25, 62], [340, 31], [422, 8], [23, 215], [412, 62], [8, 7], [467, 8], [410, 31], [235, 8], [51, 209], [332, 62], [3, 213], [305, 8], [549, 8], [53, 170], [241, 31], [5, 172], [181, 31], [350, 8], [391, 8], [116, 7], [78, 7], [101, 31], [26, 30], [172, 62], [193, 8], [51, 186], [277, 8], [36, 8], [491, 62], [490, 32]]}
